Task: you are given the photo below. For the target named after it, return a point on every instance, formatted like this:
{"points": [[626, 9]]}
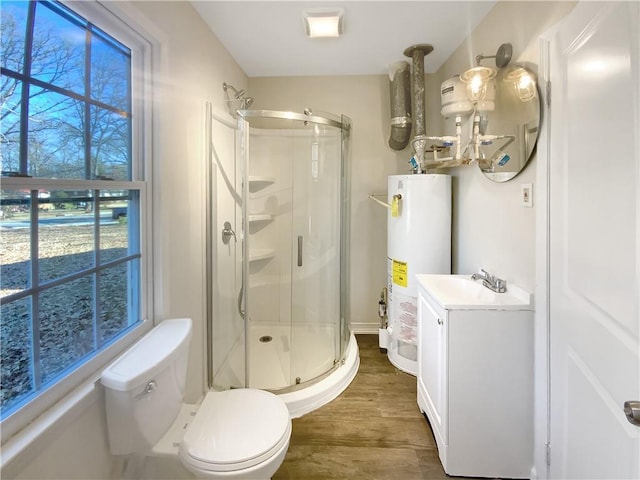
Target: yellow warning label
{"points": [[395, 206], [400, 273]]}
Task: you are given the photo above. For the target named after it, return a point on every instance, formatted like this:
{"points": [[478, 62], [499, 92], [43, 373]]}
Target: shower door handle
{"points": [[299, 250], [240, 295]]}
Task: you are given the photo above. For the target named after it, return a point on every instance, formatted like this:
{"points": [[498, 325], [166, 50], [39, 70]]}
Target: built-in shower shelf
{"points": [[260, 218], [257, 254], [258, 183]]}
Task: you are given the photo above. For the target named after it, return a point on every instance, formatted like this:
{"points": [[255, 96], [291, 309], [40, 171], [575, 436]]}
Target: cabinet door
{"points": [[433, 367]]}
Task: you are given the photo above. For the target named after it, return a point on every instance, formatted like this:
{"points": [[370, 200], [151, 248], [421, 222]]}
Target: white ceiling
{"points": [[267, 38]]}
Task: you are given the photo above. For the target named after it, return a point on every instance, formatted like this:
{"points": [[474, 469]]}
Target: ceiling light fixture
{"points": [[323, 22]]}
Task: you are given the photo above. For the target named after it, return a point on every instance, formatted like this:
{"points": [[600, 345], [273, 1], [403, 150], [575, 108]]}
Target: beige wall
{"points": [[193, 64]]}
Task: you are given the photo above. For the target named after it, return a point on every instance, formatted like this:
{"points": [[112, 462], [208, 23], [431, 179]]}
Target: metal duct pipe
{"points": [[419, 142], [400, 96]]}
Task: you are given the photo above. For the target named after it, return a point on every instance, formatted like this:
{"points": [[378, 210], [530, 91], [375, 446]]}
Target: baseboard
{"points": [[365, 328]]}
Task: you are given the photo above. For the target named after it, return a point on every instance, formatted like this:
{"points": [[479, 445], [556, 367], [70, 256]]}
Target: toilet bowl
{"points": [[237, 434], [234, 434]]}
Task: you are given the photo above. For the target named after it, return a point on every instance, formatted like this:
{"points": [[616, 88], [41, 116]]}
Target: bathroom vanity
{"points": [[475, 375]]}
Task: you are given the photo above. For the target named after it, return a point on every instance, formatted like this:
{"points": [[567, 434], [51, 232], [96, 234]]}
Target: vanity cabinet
{"points": [[475, 380]]}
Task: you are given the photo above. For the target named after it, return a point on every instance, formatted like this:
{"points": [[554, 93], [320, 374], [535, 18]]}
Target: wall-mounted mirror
{"points": [[506, 122], [516, 115]]}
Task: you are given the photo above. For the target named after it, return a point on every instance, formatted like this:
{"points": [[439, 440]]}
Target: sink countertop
{"points": [[460, 292]]}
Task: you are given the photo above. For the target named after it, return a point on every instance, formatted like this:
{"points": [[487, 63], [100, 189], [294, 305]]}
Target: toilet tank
{"points": [[144, 388]]}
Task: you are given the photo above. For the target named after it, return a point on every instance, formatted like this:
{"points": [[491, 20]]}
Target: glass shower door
{"points": [[315, 286], [293, 228]]}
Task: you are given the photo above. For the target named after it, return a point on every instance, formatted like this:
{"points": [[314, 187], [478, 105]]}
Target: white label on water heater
{"points": [[407, 321]]}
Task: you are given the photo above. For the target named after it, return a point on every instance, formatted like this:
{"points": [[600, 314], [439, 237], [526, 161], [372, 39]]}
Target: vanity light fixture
{"points": [[323, 22], [502, 56], [523, 82], [478, 78]]}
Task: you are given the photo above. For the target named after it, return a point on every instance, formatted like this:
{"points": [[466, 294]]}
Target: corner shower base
{"points": [[314, 396], [271, 364], [302, 351]]}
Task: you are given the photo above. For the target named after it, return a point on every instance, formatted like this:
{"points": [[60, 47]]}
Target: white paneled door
{"points": [[594, 238]]}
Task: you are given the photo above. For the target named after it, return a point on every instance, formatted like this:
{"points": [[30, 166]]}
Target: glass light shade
{"points": [[477, 79], [322, 22], [524, 84]]}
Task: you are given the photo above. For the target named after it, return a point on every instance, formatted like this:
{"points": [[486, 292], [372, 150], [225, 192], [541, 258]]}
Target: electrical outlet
{"points": [[526, 194]]}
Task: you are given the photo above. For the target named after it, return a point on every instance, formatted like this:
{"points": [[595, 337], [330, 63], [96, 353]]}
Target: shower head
{"points": [[239, 100], [238, 93]]}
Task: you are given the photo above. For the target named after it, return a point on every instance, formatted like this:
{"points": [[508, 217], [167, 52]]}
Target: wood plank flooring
{"points": [[373, 431]]}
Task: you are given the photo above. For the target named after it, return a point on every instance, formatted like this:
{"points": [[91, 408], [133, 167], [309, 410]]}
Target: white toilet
{"points": [[235, 434]]}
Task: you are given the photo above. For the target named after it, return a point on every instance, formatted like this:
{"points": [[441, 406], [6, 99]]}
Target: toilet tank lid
{"points": [[148, 356]]}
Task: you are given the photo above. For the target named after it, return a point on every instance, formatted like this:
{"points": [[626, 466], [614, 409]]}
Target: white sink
{"points": [[460, 292]]}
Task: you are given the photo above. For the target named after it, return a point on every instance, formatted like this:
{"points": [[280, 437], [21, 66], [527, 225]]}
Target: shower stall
{"points": [[277, 277]]}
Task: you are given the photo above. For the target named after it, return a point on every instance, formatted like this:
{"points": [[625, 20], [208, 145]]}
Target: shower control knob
{"points": [[227, 233]]}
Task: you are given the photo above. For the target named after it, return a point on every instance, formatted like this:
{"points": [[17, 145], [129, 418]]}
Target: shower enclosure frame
{"points": [[342, 335]]}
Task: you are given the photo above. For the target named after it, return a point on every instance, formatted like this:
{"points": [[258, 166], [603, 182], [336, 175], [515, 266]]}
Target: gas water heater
{"points": [[418, 241]]}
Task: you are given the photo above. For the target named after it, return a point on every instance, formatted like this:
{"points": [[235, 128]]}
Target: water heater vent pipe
{"points": [[400, 95], [419, 142]]}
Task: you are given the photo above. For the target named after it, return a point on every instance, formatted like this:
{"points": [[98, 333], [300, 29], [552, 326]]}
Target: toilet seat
{"points": [[236, 430]]}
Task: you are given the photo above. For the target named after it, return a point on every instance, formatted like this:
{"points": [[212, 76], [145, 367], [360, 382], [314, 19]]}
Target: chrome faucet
{"points": [[490, 281]]}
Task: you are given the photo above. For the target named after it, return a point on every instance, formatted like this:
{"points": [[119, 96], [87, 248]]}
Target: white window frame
{"points": [[118, 23]]}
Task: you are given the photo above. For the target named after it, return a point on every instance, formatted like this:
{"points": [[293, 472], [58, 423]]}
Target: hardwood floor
{"points": [[374, 430]]}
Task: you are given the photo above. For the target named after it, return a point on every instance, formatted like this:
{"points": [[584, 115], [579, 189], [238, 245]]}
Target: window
{"points": [[73, 208]]}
